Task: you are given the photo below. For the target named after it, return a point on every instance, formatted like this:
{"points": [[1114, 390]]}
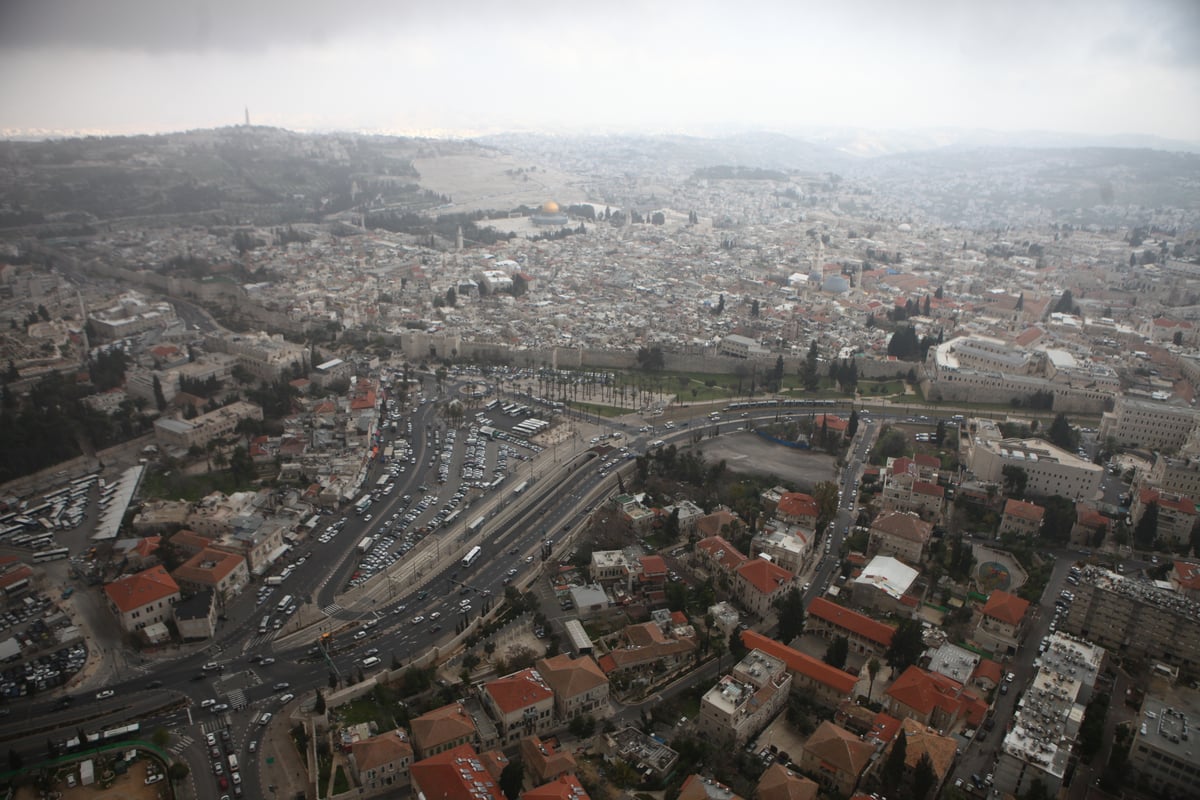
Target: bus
{"points": [[520, 487], [452, 517], [51, 555], [362, 505], [472, 556], [365, 544], [284, 603], [476, 524]]}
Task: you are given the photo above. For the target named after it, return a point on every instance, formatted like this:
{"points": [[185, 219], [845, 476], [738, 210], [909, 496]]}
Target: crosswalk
{"points": [[182, 742], [237, 699], [331, 609]]}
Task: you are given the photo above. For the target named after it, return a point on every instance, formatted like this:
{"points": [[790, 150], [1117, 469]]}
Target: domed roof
{"points": [[550, 207]]}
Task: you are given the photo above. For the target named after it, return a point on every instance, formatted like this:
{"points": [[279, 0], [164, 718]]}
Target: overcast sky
{"points": [[469, 66]]}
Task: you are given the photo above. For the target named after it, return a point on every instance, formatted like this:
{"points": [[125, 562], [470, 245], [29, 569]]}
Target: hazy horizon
{"points": [[1103, 69]]}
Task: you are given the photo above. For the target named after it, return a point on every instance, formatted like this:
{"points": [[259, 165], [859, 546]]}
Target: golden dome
{"points": [[550, 207]]}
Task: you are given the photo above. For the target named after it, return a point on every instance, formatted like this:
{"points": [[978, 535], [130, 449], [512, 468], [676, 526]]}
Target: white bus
{"points": [[284, 603], [476, 524], [520, 487], [365, 544], [471, 556], [51, 555]]}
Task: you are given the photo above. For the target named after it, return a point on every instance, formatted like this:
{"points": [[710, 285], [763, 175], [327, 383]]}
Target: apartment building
{"points": [[837, 758], [1148, 424], [522, 704], [225, 574], [142, 599], [934, 699], [1021, 518], [457, 774], [1135, 618], [579, 685], [1176, 514], [743, 702], [382, 762], [443, 729], [1164, 743], [901, 534], [1001, 622], [758, 583], [1043, 729]]}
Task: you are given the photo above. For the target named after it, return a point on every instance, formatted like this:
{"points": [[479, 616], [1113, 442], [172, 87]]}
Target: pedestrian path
{"points": [[182, 742], [237, 699], [332, 609]]}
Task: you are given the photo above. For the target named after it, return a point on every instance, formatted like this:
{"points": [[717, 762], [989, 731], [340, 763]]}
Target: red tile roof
{"points": [[1181, 504], [839, 748], [1006, 607], [763, 575], [903, 525], [797, 504], [565, 787], [931, 489], [653, 565], [852, 621], [884, 727], [1021, 509], [1187, 575], [926, 460], [801, 663], [381, 750], [720, 550], [923, 691], [519, 690], [457, 774], [988, 670], [148, 586]]}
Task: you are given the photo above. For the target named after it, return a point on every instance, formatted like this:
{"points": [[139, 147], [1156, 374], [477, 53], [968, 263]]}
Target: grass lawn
{"points": [[175, 485], [369, 708]]}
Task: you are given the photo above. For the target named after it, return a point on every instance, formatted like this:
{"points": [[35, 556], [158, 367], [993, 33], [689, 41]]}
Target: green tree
{"points": [[15, 761], [451, 297], [161, 738], [906, 647], [511, 778], [178, 771], [836, 653], [852, 425], [583, 725], [924, 777], [873, 672], [1015, 480], [809, 375], [1062, 434], [790, 610], [1146, 530], [319, 703], [892, 771], [160, 399], [651, 359]]}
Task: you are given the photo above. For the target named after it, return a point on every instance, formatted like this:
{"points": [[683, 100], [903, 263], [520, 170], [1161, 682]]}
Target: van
{"points": [[372, 661]]}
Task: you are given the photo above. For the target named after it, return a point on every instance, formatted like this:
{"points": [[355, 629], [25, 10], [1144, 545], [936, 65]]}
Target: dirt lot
{"points": [[490, 181], [130, 786], [746, 452]]}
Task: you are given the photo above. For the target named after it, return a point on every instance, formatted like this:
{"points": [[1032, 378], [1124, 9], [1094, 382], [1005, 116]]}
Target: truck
{"points": [[274, 580]]}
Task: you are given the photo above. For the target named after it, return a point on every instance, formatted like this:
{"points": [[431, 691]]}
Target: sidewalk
{"points": [[281, 766]]}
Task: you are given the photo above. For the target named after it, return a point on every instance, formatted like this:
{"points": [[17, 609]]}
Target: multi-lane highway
{"points": [[405, 609]]}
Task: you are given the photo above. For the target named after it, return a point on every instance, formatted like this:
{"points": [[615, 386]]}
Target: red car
{"points": [[223, 782]]}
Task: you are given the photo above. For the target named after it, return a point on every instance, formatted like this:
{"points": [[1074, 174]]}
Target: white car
{"points": [[286, 698], [104, 694], [417, 620], [265, 718]]}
